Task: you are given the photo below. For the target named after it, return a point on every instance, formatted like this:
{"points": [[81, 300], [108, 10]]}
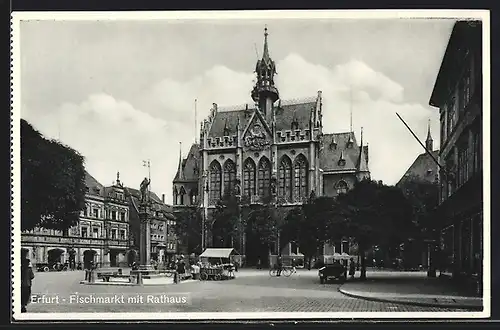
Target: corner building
{"points": [[458, 95], [274, 151]]}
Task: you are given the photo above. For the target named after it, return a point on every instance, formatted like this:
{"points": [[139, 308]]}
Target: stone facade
{"points": [[272, 151], [458, 95], [101, 235]]}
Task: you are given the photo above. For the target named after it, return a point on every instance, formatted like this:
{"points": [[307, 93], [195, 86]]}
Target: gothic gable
{"points": [[257, 135]]}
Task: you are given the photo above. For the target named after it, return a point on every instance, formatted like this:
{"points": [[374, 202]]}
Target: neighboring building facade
{"points": [[274, 151], [458, 95], [424, 170], [162, 224], [101, 235]]}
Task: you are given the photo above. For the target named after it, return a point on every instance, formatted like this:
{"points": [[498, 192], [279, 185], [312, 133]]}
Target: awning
{"points": [[218, 253]]}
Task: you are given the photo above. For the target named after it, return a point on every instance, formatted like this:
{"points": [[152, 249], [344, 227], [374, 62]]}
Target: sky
{"points": [[120, 92]]}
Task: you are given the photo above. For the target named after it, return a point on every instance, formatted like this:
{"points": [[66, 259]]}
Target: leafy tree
{"points": [[314, 224], [225, 225], [375, 214], [52, 182], [263, 224], [188, 227], [423, 196]]}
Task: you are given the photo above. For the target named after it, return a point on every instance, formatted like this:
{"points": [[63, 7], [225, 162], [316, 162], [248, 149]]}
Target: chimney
{"points": [[163, 198]]}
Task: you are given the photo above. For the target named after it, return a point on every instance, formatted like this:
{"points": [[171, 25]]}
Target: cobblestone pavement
{"points": [[413, 287], [250, 291]]}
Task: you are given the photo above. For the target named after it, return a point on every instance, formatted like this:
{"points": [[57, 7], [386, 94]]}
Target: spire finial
{"points": [[265, 54], [361, 135]]}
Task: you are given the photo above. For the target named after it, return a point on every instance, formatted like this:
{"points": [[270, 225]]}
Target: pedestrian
{"points": [[27, 277], [294, 269], [352, 268], [259, 264], [279, 263]]}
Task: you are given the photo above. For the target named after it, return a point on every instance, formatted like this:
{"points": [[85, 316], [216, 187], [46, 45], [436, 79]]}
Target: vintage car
{"points": [[335, 271]]}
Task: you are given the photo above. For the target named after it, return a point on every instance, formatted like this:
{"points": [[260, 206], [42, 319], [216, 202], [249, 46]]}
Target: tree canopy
{"points": [[375, 213], [225, 225], [423, 197], [52, 182], [188, 227]]}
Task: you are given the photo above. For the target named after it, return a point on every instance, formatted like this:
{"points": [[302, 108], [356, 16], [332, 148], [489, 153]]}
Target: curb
{"points": [[412, 303], [127, 284]]}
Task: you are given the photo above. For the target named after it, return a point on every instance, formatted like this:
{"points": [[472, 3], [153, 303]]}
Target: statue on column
{"points": [[144, 190]]}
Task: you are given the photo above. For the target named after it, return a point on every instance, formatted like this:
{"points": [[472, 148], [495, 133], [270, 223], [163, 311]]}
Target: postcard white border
{"points": [[17, 17]]}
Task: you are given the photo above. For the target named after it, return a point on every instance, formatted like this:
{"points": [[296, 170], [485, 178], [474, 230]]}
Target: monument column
{"points": [[145, 239]]}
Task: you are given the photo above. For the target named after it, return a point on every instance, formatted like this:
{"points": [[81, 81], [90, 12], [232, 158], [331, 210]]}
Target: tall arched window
{"points": [[249, 178], [215, 182], [175, 196], [182, 192], [285, 178], [342, 187], [193, 195], [300, 178], [264, 177], [229, 176]]}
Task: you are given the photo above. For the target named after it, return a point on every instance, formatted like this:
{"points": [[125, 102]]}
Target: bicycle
{"points": [[285, 271]]}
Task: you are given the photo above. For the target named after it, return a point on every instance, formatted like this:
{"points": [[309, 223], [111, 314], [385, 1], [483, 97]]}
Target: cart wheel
{"points": [[217, 277], [287, 272], [273, 272], [169, 274], [45, 269], [203, 276]]}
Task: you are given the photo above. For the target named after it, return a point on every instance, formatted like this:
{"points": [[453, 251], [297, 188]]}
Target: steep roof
{"points": [[424, 168], [335, 146], [156, 205], [464, 34], [94, 187], [189, 169], [285, 114]]}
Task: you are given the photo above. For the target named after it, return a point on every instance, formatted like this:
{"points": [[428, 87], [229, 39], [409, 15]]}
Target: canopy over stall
{"points": [[221, 254]]}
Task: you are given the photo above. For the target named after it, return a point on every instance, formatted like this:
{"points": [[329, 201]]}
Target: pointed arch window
{"points": [[175, 197], [264, 177], [229, 176], [285, 178], [193, 196], [300, 178], [342, 187], [249, 178], [215, 182], [182, 192]]}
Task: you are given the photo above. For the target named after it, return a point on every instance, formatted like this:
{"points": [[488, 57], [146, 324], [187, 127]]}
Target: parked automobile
{"points": [[335, 271]]}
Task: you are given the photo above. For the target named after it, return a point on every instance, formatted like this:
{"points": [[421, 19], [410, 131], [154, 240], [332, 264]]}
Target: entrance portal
{"points": [[88, 256], [54, 256]]}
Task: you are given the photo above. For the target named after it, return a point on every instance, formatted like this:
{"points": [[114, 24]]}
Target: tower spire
{"points": [[195, 121], [179, 169], [265, 92], [429, 142], [265, 54], [350, 108]]}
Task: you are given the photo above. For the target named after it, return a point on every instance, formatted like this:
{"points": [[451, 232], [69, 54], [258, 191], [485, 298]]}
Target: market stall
{"points": [[217, 263]]}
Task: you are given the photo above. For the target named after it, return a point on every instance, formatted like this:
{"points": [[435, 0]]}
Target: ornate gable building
{"points": [[273, 151]]}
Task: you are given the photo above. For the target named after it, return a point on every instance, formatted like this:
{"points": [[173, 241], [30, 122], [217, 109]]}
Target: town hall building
{"points": [[274, 151]]}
